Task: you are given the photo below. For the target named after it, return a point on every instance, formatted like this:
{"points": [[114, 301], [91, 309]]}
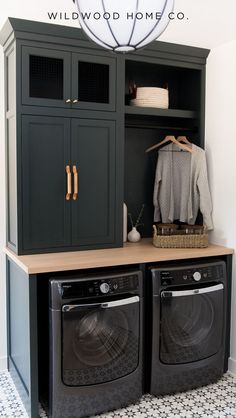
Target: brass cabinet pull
{"points": [[75, 101], [76, 184], [68, 172], [68, 101]]}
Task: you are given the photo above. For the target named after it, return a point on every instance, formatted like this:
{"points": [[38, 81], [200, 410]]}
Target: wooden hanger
{"points": [[184, 139], [169, 138]]}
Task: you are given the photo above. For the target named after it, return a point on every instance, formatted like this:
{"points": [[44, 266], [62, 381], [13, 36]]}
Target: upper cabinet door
{"points": [[46, 77], [93, 82], [57, 78]]}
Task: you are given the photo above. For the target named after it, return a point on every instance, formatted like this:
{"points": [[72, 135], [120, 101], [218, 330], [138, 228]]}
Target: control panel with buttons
{"points": [[191, 275], [108, 286]]}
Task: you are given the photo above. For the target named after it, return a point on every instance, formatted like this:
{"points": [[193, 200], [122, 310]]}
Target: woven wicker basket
{"points": [[180, 240]]}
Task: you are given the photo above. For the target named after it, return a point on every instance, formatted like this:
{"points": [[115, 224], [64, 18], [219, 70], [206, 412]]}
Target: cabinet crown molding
{"points": [[26, 29]]}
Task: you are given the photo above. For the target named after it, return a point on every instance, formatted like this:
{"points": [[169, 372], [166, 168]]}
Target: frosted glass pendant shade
{"points": [[124, 25]]}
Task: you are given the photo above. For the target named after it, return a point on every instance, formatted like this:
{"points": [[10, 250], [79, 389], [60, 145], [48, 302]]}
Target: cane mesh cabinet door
{"points": [[93, 82], [46, 77], [56, 78], [93, 151], [45, 156]]}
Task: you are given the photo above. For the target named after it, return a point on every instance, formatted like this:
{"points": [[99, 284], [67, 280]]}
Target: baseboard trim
{"points": [[232, 366], [3, 364]]}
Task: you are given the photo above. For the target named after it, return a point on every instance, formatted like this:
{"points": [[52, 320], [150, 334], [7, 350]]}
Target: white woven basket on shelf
{"points": [[151, 97]]}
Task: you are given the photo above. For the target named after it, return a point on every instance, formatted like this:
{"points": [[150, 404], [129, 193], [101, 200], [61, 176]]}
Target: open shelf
{"points": [[144, 127], [184, 85], [151, 111]]}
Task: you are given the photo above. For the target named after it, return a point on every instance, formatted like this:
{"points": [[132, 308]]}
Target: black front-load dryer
{"points": [[95, 343], [188, 326]]}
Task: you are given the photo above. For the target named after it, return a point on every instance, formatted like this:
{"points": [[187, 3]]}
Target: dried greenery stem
{"points": [[131, 220], [137, 223]]}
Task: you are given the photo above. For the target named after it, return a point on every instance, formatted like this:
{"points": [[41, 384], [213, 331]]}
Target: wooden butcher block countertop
{"points": [[142, 252]]}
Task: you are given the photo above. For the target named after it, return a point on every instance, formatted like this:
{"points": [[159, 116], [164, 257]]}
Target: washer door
{"points": [[191, 324], [100, 341]]}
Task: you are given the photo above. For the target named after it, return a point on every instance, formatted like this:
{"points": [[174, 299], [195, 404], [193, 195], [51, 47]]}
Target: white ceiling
{"points": [[208, 23]]}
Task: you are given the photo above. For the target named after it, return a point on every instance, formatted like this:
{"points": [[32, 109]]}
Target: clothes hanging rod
{"points": [[173, 128], [165, 150]]}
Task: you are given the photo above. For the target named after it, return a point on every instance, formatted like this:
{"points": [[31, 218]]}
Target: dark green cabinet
{"points": [[70, 123], [57, 78], [63, 131], [51, 219]]}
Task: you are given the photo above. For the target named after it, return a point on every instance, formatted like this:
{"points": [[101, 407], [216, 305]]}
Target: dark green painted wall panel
{"points": [[19, 342], [11, 81], [139, 176], [12, 182], [23, 335]]}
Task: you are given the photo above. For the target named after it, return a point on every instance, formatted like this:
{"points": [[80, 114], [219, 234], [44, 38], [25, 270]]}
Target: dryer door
{"points": [[100, 341], [191, 324]]}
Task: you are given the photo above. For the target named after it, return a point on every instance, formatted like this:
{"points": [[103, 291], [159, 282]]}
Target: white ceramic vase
{"points": [[134, 235]]}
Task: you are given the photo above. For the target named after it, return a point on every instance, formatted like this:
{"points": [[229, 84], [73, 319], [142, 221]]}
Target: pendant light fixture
{"points": [[124, 25]]}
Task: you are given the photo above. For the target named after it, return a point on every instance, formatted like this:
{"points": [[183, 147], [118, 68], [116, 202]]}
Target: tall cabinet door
{"points": [[45, 155], [93, 151]]}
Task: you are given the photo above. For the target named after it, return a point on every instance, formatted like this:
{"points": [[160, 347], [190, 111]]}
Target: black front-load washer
{"points": [[188, 326], [95, 343]]}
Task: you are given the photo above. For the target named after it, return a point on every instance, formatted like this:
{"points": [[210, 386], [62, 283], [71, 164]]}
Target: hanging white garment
{"points": [[181, 186]]}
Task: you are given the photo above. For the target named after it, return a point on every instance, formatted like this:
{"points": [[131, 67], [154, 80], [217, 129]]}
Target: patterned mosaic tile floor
{"points": [[213, 401]]}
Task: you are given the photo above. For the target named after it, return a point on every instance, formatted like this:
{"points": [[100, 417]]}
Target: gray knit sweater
{"points": [[181, 186]]}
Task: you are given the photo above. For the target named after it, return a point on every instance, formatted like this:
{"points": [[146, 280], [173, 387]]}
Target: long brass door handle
{"points": [[68, 173], [76, 183]]}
